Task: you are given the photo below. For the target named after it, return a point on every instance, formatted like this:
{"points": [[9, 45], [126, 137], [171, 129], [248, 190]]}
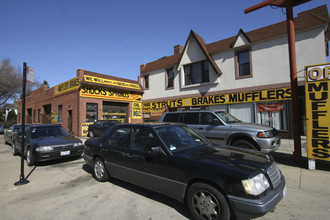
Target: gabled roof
{"points": [[242, 34], [306, 20], [203, 47]]}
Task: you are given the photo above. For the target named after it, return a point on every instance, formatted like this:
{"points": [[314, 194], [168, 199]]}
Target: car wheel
{"points": [[13, 149], [244, 144], [99, 171], [206, 202], [91, 134], [29, 157]]}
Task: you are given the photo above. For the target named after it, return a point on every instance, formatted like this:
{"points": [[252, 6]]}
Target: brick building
{"points": [[247, 75], [82, 100]]}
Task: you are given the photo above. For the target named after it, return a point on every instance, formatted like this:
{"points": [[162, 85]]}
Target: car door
{"points": [[212, 128], [143, 169], [114, 149]]}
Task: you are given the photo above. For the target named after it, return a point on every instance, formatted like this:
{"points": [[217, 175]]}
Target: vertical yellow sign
{"points": [[317, 83]]}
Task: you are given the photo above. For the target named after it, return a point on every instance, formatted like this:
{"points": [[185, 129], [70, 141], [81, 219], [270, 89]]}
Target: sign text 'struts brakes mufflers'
{"points": [[317, 111]]}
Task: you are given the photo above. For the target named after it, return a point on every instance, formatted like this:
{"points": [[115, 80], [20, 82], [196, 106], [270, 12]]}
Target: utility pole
{"points": [[289, 4]]}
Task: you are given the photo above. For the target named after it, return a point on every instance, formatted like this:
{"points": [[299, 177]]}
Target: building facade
{"points": [[247, 75], [83, 100]]}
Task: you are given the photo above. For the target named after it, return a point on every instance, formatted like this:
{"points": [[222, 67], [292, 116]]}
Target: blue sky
{"points": [[57, 37]]}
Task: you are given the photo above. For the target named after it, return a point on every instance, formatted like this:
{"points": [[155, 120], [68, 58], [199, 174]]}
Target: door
{"points": [[70, 121], [212, 128], [115, 148], [144, 169]]}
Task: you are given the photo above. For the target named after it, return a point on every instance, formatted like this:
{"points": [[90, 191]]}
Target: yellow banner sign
{"points": [[137, 110], [106, 93], [317, 83], [67, 86], [242, 97], [94, 79]]}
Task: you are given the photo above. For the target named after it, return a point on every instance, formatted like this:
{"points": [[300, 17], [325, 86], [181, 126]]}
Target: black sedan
{"points": [[10, 134], [216, 182], [99, 127], [45, 142]]}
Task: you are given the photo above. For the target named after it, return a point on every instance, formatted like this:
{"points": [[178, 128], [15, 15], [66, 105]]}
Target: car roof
{"points": [[43, 125], [151, 124]]}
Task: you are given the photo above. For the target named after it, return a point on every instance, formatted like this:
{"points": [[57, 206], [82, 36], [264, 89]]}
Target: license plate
{"points": [[65, 153], [284, 192]]}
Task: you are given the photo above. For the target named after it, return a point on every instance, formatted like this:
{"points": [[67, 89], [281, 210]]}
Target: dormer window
{"points": [[197, 73], [243, 64]]}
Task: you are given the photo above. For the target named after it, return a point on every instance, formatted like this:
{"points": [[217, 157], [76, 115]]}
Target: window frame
{"points": [[167, 78], [146, 82], [203, 74], [237, 64], [60, 114]]}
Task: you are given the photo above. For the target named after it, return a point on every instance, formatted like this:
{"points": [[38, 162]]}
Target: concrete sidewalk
{"points": [[308, 194]]}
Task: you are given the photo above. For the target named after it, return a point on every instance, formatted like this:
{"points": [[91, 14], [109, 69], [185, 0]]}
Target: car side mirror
{"points": [[216, 121], [157, 151]]}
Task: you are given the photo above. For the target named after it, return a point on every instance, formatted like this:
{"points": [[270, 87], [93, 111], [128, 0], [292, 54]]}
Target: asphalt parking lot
{"points": [[66, 190]]}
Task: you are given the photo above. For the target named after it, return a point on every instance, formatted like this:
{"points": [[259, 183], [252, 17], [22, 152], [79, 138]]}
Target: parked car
{"points": [[45, 142], [215, 181], [1, 129], [99, 127], [10, 134], [223, 128]]}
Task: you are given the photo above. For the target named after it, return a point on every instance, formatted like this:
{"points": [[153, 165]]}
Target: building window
{"points": [[146, 82], [196, 73], [91, 112], [169, 79], [60, 114], [39, 114], [243, 64], [34, 116]]}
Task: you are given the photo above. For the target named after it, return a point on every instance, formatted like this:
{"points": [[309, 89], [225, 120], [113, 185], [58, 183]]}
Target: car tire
{"points": [[206, 202], [244, 144], [13, 149], [100, 172], [91, 134], [29, 157]]}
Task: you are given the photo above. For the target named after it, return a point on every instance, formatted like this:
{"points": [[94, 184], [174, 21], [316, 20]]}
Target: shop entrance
{"points": [[115, 111]]}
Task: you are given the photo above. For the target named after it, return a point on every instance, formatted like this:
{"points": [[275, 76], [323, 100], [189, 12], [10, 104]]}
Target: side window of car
{"points": [[171, 117], [191, 118], [143, 140], [209, 119], [120, 138]]}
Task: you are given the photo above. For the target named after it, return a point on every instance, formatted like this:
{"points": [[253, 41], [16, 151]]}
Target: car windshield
{"points": [[227, 118], [180, 137], [48, 131]]}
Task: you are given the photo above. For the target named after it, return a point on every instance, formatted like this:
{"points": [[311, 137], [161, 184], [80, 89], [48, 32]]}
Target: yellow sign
{"points": [[84, 129], [67, 86], [242, 97], [54, 117], [106, 93], [94, 79], [317, 84], [137, 110]]}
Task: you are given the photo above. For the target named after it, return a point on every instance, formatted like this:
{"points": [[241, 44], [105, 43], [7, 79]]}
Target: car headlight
{"points": [[44, 148], [77, 144], [265, 134], [256, 185]]}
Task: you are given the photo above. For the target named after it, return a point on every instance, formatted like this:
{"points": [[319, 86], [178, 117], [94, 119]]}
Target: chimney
{"points": [[178, 49]]}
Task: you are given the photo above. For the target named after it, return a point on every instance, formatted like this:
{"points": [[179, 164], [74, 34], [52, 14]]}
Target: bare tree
{"points": [[10, 81]]}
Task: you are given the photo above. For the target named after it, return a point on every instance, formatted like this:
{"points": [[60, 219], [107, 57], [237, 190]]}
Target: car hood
{"points": [[249, 126], [46, 141], [222, 157]]}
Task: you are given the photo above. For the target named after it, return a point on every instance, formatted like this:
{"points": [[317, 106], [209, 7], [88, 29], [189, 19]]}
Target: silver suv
{"points": [[223, 128]]}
